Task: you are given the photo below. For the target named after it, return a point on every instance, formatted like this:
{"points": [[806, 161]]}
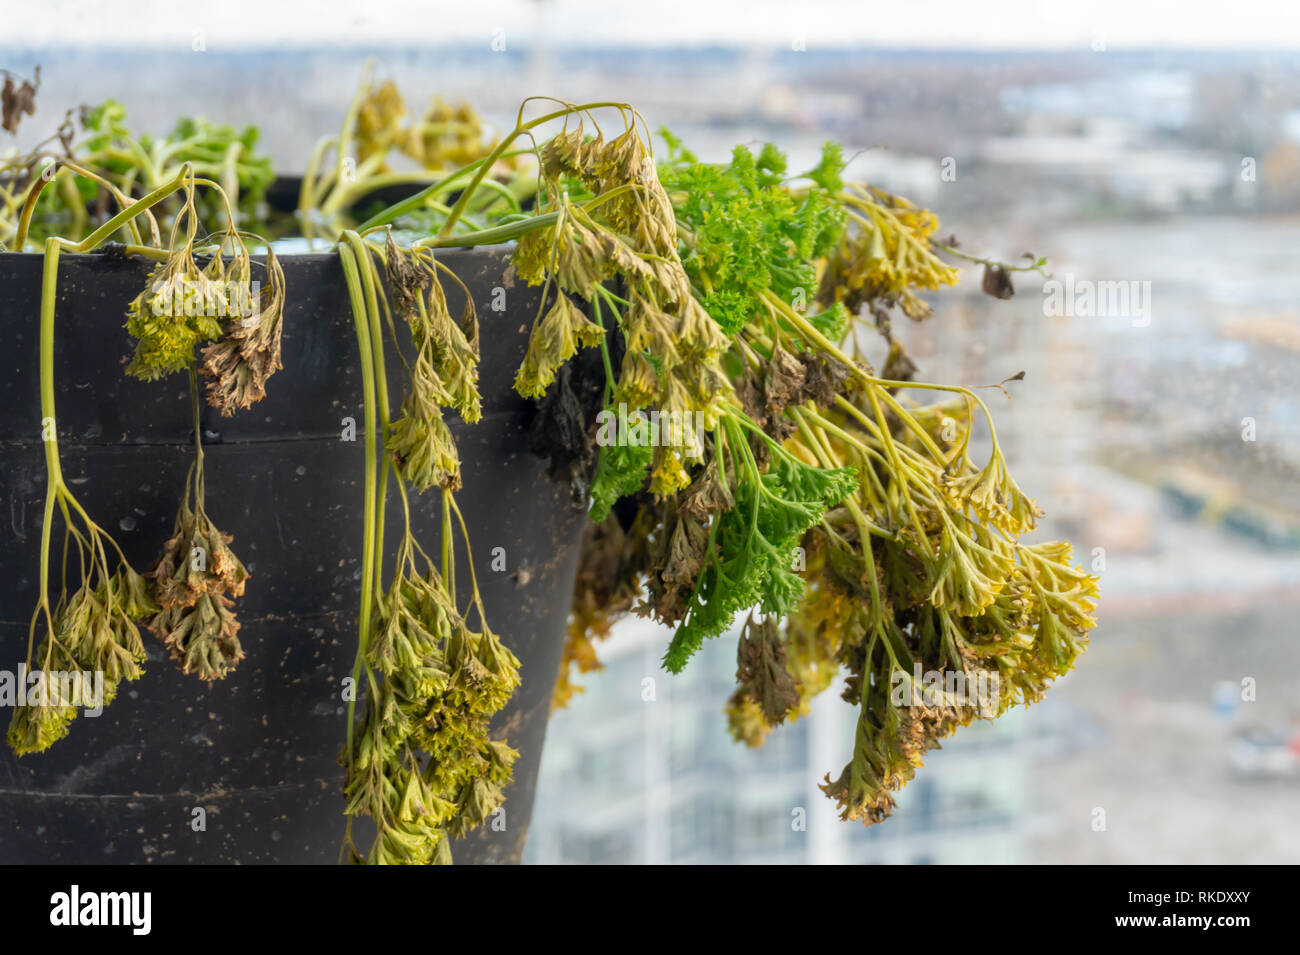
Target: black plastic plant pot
{"points": [[258, 752]]}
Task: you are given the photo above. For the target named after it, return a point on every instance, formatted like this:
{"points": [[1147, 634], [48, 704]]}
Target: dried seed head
{"points": [[555, 339], [407, 279], [237, 367]]}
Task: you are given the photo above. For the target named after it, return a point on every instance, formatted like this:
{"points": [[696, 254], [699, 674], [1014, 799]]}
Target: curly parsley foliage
{"points": [[746, 231], [909, 546], [620, 470], [753, 564]]}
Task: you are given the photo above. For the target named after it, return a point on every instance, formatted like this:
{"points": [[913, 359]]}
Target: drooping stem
{"points": [[368, 554], [448, 547], [492, 236], [384, 423], [199, 483], [480, 168], [417, 201], [123, 217], [49, 433]]}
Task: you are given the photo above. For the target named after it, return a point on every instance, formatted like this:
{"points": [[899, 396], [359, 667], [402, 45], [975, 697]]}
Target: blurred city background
{"points": [[1156, 146]]}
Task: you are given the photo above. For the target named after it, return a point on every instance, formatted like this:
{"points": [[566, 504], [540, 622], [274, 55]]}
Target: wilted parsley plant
{"points": [[841, 523]]}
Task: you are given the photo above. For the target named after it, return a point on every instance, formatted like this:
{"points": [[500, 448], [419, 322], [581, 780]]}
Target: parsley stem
{"points": [[361, 322], [362, 253], [49, 429]]}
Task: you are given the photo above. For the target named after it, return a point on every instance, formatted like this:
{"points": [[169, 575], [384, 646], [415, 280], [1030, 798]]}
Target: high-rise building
{"points": [[641, 769]]}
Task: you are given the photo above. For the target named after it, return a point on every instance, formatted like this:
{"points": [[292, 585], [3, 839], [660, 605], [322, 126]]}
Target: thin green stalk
{"points": [[49, 428], [200, 485], [490, 160], [417, 201], [448, 547], [362, 254], [133, 210], [492, 236], [362, 325]]}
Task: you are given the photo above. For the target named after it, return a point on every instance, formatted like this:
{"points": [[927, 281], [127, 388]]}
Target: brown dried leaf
{"points": [[997, 282], [761, 671], [17, 100]]}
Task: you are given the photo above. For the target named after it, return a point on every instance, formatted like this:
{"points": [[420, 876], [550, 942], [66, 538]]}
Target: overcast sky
{"points": [[942, 24]]}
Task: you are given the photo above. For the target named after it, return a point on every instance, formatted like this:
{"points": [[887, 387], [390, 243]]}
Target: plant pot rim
{"points": [[285, 258], [281, 197]]}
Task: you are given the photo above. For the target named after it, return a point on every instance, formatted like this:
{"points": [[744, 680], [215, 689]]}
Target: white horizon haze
{"points": [[917, 24]]}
